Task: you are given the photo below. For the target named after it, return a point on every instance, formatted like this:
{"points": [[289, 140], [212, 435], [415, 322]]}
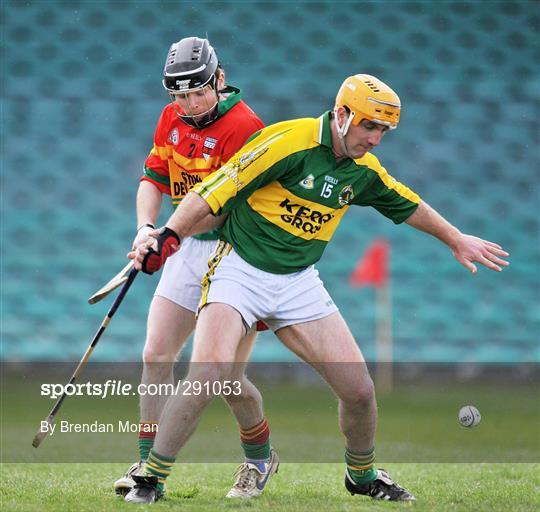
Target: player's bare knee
{"points": [[361, 394], [204, 374], [157, 351]]}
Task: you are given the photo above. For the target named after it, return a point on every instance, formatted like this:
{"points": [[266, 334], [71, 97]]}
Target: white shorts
{"points": [[182, 273], [277, 299]]}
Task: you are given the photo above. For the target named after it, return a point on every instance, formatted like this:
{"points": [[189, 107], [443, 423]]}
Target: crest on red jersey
{"points": [[208, 145], [173, 137]]}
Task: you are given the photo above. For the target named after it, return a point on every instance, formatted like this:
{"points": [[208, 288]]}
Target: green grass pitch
{"points": [[493, 467], [297, 487]]}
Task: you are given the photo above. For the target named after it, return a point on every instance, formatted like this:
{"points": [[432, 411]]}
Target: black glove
{"points": [[167, 244]]}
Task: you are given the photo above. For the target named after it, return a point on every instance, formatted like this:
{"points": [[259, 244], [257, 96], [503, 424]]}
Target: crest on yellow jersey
{"points": [[308, 182], [346, 195]]}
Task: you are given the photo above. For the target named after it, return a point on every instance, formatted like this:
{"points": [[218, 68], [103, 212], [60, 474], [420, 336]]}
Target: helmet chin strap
{"points": [[342, 131], [201, 119]]}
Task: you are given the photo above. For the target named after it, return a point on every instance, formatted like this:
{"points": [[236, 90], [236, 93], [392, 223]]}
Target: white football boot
{"points": [[251, 477], [123, 485]]}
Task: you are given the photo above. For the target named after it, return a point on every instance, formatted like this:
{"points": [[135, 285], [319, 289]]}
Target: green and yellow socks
{"points": [[255, 443], [159, 466], [360, 466]]}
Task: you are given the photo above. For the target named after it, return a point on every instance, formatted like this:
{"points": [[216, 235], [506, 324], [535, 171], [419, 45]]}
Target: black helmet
{"points": [[191, 64]]}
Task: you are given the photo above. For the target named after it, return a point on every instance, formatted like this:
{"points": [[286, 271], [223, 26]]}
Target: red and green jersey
{"points": [[183, 155], [286, 194]]}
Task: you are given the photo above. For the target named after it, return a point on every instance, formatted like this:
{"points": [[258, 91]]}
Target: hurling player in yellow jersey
{"points": [[285, 193], [198, 131]]}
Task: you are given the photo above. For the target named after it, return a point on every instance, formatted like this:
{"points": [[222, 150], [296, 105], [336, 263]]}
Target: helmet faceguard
{"points": [[366, 97], [185, 110], [192, 66]]}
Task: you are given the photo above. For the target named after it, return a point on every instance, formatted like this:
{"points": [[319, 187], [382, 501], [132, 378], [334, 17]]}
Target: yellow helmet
{"points": [[368, 98]]}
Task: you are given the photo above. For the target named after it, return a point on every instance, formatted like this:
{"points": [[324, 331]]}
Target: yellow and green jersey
{"points": [[286, 193]]}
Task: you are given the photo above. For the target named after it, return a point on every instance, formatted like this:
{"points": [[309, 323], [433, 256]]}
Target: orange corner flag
{"points": [[372, 268]]}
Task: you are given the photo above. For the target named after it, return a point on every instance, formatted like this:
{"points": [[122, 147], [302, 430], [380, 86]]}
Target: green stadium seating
{"points": [[81, 94]]}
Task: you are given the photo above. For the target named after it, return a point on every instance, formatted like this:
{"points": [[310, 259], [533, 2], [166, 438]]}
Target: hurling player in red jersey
{"points": [[205, 124]]}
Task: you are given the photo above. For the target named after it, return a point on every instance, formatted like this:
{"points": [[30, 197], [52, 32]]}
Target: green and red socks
{"points": [[147, 436], [360, 465], [255, 441]]}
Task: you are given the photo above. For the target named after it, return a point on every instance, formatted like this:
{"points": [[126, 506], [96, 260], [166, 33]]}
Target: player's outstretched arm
{"points": [[466, 249]]}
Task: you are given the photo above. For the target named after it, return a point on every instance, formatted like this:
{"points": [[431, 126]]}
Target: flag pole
{"points": [[373, 270], [383, 338]]}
